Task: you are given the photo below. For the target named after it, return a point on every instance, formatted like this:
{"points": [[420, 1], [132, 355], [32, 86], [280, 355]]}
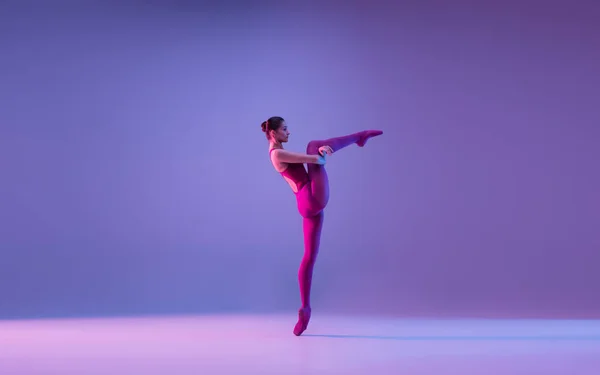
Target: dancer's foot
{"points": [[303, 319], [366, 135]]}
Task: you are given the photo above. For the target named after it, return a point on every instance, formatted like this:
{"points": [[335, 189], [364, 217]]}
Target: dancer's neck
{"points": [[275, 145]]}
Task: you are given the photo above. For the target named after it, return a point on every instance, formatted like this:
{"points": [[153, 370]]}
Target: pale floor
{"points": [[245, 344]]}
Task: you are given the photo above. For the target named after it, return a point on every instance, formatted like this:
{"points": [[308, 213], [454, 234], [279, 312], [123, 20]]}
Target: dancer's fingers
{"points": [[325, 150]]}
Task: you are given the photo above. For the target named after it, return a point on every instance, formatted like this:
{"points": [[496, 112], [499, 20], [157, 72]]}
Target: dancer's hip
{"points": [[308, 206]]}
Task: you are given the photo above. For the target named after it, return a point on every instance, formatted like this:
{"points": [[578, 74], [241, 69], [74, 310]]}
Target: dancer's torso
{"points": [[295, 174]]}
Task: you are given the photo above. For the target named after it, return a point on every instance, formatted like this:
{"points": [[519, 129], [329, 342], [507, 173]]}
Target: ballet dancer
{"points": [[312, 193]]}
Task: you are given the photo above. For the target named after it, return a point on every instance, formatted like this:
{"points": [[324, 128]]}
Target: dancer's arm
{"points": [[284, 156]]}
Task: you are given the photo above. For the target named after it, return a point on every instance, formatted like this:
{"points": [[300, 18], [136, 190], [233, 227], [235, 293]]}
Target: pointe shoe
{"points": [[303, 319], [368, 134]]}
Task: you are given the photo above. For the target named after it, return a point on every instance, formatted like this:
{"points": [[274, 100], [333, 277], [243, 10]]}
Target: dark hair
{"points": [[273, 123]]}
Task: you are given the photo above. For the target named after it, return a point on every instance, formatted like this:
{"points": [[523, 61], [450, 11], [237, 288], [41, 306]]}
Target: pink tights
{"points": [[312, 200]]}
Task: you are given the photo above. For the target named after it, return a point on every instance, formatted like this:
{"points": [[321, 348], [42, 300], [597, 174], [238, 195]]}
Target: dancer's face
{"points": [[282, 134]]}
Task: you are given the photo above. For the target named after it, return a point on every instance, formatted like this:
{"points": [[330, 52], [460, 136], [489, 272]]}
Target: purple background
{"points": [[135, 177]]}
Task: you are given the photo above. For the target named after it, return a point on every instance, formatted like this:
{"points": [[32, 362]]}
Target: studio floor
{"points": [[264, 344]]}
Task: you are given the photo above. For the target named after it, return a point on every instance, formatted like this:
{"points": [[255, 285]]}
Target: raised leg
{"points": [[339, 143], [312, 227], [317, 173]]}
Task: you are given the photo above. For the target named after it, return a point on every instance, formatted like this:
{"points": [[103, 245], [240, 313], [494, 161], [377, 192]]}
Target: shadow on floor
{"points": [[461, 338]]}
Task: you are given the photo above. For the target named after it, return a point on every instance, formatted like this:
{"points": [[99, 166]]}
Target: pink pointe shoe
{"points": [[303, 319]]}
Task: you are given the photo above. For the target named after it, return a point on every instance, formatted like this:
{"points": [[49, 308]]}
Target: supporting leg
{"points": [[312, 227]]}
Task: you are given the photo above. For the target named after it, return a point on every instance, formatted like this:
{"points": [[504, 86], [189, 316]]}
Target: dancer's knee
{"points": [[309, 260], [312, 148]]}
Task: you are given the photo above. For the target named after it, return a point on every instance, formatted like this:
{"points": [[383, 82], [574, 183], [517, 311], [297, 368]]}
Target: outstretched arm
{"points": [[284, 156]]}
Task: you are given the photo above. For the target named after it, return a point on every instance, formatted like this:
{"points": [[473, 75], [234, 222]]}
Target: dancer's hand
{"points": [[325, 150]]}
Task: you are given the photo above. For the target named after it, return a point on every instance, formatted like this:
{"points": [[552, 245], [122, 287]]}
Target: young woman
{"points": [[312, 193]]}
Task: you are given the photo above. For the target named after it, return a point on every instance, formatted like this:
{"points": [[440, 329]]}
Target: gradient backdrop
{"points": [[135, 178]]}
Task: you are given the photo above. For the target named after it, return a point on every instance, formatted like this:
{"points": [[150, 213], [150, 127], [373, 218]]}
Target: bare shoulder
{"points": [[279, 155], [274, 154], [279, 165]]}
